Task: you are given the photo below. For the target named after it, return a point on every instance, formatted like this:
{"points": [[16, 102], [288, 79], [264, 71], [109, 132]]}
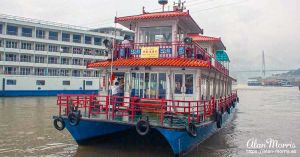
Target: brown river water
{"points": [[263, 113]]}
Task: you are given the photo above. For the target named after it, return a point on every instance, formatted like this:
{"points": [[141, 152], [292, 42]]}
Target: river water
{"points": [[263, 113]]}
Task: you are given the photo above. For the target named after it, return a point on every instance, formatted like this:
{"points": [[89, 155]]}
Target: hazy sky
{"points": [[247, 27]]}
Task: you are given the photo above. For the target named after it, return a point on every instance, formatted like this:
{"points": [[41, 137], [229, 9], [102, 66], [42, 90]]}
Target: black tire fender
{"points": [[191, 129], [74, 118], [142, 127], [61, 121]]}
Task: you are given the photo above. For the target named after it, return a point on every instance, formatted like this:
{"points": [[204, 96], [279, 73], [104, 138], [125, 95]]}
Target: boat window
{"points": [[147, 90], [178, 83], [155, 34], [203, 88], [89, 83], [141, 87], [162, 86], [11, 82], [134, 84], [40, 82], [66, 83], [153, 86], [189, 84]]}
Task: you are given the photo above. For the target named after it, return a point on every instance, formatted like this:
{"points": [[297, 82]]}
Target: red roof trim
{"points": [[169, 62], [152, 16], [198, 37]]}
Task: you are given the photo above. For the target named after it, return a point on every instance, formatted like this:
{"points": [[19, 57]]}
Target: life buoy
{"points": [[219, 120], [74, 118], [58, 126], [142, 127], [191, 129], [228, 110]]}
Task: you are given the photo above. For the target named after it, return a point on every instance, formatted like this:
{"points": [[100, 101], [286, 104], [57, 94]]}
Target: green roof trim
{"points": [[222, 56]]}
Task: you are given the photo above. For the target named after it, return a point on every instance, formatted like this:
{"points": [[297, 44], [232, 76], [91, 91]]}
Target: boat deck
{"points": [[129, 110]]}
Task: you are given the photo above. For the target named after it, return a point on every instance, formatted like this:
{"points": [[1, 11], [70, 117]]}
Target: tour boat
{"points": [[172, 80]]}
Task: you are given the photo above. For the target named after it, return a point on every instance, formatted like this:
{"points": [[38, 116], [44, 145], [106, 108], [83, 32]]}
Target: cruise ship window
{"points": [[53, 72], [97, 41], [39, 59], [178, 83], [26, 32], [40, 82], [64, 72], [12, 30], [76, 38], [77, 50], [88, 40], [11, 44], [1, 27], [25, 58], [53, 48], [76, 73], [24, 71], [66, 83], [1, 43], [52, 60], [89, 83], [40, 34], [65, 61], [65, 37], [10, 57], [65, 49], [11, 82], [40, 71], [53, 35], [88, 51], [26, 46], [76, 61], [40, 47], [10, 70]]}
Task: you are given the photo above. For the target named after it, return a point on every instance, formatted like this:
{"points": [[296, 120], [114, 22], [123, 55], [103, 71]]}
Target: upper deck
{"points": [[163, 35]]}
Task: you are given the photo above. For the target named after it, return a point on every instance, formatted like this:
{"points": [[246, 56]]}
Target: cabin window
{"points": [[178, 83], [162, 85], [40, 82], [11, 82], [155, 34], [203, 88], [89, 83], [66, 83], [153, 85], [189, 84]]}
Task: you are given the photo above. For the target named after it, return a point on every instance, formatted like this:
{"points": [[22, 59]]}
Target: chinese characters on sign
{"points": [[149, 52]]}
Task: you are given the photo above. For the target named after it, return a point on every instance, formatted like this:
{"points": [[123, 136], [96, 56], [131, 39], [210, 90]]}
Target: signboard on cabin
{"points": [[150, 52]]}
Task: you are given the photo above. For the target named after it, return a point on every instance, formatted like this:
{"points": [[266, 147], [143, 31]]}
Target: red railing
{"points": [[192, 51], [130, 108]]}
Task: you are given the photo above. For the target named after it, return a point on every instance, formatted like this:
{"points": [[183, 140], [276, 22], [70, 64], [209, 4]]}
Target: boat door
{"points": [[184, 86]]}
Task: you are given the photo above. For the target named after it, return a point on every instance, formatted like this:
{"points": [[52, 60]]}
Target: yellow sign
{"points": [[150, 52]]}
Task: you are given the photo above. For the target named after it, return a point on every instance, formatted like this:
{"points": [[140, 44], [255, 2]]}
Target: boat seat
{"points": [[150, 106]]}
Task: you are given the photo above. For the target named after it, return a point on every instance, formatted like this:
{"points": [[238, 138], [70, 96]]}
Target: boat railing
{"points": [[131, 109], [169, 50]]}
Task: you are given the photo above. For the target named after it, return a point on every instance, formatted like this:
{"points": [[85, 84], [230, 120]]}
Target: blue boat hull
{"points": [[88, 130], [179, 140]]}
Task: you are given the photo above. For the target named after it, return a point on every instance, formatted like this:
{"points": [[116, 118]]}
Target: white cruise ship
{"points": [[41, 58]]}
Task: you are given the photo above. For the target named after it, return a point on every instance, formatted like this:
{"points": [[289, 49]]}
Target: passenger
{"points": [[126, 45], [115, 92], [178, 87]]}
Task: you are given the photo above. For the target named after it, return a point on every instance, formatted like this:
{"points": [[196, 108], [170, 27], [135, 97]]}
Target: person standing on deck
{"points": [[126, 44], [115, 90]]}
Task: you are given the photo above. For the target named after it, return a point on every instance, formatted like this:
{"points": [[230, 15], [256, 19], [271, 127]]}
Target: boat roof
{"points": [[201, 38], [167, 62], [184, 16]]}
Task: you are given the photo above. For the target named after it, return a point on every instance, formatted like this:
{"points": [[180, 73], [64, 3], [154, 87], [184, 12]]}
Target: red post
{"points": [[189, 109]]}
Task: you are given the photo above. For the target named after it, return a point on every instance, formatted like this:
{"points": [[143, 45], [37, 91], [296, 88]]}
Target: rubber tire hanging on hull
{"points": [[219, 120], [191, 129], [142, 127], [59, 127], [74, 118]]}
